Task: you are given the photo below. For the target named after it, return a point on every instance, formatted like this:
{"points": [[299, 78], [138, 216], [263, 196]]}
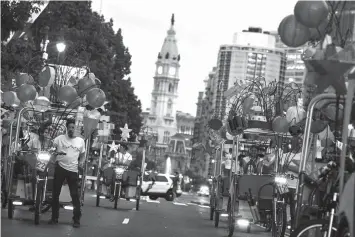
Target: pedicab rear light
{"points": [[17, 203], [44, 156], [280, 180], [243, 222], [68, 208]]}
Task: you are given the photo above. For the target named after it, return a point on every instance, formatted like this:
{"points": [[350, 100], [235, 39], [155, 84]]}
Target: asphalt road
{"points": [[187, 216]]}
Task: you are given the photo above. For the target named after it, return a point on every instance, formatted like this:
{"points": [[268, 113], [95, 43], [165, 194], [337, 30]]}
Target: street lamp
{"points": [[61, 47]]}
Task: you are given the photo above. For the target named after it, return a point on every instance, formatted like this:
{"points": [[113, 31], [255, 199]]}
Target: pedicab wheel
{"points": [[312, 227], [249, 228], [97, 199], [216, 218], [231, 217], [211, 213], [116, 196], [268, 224], [10, 210], [38, 203], [3, 199], [279, 225], [137, 204]]}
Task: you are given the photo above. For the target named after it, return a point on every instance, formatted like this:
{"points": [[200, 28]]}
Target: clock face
{"points": [[172, 71], [160, 70]]}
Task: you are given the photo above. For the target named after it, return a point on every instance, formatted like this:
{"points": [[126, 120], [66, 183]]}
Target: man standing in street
{"points": [[67, 169]]}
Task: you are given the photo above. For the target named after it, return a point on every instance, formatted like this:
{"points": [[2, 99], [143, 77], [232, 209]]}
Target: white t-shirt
{"points": [[123, 158], [73, 147]]}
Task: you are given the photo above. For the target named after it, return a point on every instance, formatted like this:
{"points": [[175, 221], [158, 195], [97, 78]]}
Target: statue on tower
{"points": [[172, 19]]}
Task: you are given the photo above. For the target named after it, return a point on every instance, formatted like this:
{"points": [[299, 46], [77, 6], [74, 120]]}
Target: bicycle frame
{"points": [[306, 149]]}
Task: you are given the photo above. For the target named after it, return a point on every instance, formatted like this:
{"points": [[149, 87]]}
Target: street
{"points": [[187, 216]]}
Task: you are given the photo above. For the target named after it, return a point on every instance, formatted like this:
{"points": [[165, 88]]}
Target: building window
{"points": [[171, 88], [166, 137], [169, 108]]}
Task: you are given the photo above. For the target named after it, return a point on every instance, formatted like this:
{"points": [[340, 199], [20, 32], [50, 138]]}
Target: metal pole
{"points": [[346, 121], [98, 174]]}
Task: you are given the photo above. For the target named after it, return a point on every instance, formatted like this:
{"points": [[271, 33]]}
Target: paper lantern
{"points": [[319, 32], [215, 124], [280, 125], [96, 97], [41, 104], [10, 98], [330, 112], [318, 126], [26, 92], [46, 77], [295, 114], [23, 78], [85, 84], [292, 33], [67, 94], [311, 13]]}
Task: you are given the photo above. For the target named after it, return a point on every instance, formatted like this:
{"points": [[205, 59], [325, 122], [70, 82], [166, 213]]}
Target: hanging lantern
{"points": [[215, 124], [10, 98], [295, 114], [46, 77], [23, 78], [67, 94], [73, 81], [26, 92], [41, 104], [96, 97], [319, 32], [318, 126], [311, 13], [330, 112], [292, 33], [85, 84], [280, 125]]}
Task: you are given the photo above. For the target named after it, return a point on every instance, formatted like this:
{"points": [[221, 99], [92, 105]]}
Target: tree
{"points": [[15, 14], [19, 54], [124, 102]]}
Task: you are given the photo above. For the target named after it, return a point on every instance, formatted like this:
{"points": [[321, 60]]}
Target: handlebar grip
{"points": [[61, 153]]}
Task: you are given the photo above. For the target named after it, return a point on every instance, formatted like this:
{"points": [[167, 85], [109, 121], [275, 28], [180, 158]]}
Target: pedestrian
{"points": [[175, 183], [67, 169]]}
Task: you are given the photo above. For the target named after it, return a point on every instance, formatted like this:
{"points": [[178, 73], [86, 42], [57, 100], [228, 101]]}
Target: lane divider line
{"points": [[125, 221], [179, 204]]}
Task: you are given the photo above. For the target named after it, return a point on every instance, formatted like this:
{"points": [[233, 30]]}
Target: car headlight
{"points": [[44, 156], [280, 180]]}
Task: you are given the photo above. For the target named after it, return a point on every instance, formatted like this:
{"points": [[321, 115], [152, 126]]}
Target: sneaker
{"points": [[76, 224], [53, 221]]}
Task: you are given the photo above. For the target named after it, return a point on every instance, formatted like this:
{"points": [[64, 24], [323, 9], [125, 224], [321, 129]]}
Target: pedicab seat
{"points": [[254, 183], [130, 178]]}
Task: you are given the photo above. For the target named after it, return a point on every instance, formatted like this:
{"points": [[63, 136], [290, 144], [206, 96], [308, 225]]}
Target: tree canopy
{"points": [[90, 41]]}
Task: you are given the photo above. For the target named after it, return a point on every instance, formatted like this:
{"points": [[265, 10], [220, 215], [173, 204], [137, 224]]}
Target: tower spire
{"points": [[172, 19]]}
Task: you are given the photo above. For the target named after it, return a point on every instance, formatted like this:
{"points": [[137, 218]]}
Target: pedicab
{"points": [[214, 185], [330, 205], [28, 170], [264, 193], [126, 183]]}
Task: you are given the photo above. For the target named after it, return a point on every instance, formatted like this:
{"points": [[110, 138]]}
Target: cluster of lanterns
{"points": [[86, 89], [309, 22]]}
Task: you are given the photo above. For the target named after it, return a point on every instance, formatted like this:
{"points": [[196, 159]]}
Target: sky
{"points": [[201, 27]]}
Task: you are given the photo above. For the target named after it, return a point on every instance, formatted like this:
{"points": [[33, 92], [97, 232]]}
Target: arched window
{"points": [[169, 108], [171, 88]]}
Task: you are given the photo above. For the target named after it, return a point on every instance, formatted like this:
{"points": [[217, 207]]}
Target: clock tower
{"points": [[162, 115]]}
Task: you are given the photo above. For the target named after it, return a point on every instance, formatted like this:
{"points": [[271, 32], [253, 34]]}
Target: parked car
{"points": [[162, 188]]}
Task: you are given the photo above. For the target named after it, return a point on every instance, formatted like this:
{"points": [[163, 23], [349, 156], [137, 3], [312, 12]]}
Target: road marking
{"points": [[153, 201], [204, 207], [125, 221], [134, 209], [179, 204]]}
